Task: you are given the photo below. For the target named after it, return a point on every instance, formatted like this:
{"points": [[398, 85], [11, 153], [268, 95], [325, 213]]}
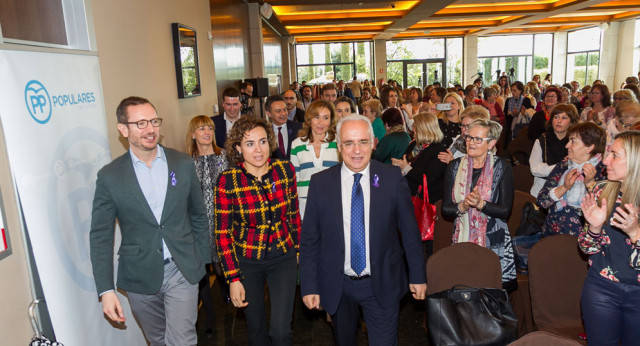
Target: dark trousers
{"points": [[611, 311], [280, 275], [382, 324]]}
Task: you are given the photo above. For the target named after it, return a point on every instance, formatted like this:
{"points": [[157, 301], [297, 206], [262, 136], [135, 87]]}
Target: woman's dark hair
{"points": [[468, 89], [441, 92], [392, 117], [240, 128], [567, 108], [418, 90], [553, 89], [634, 88], [348, 100], [590, 134], [518, 84], [384, 95], [606, 94]]}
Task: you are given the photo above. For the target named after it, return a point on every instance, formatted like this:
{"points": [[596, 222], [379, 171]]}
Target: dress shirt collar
{"points": [[159, 155]]}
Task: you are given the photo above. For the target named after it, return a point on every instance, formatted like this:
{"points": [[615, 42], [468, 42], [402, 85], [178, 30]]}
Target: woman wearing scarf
{"points": [[551, 147], [514, 111], [481, 196], [572, 178]]}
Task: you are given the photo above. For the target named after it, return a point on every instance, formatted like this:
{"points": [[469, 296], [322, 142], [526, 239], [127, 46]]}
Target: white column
{"points": [[380, 56], [608, 56], [624, 63], [559, 60], [469, 59]]}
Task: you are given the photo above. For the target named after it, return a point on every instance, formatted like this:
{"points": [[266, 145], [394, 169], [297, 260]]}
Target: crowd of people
{"points": [[319, 188]]}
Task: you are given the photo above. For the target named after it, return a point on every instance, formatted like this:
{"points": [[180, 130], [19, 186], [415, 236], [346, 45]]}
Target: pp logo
{"points": [[38, 101]]}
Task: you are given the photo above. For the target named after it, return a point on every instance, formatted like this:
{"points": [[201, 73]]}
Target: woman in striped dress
{"points": [[315, 149]]}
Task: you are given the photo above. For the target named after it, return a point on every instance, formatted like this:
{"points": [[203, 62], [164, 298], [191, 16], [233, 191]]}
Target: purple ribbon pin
{"points": [[173, 178], [376, 180]]}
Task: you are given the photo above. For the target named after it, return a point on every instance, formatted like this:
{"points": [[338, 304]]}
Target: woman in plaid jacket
{"points": [[257, 229]]}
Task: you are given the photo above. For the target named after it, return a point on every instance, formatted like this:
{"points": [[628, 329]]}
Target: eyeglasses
{"points": [[289, 98], [618, 98], [595, 93], [352, 144], [551, 96], [142, 124], [476, 140]]}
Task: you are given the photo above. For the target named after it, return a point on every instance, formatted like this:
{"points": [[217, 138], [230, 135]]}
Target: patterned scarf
{"points": [[574, 196], [472, 226]]}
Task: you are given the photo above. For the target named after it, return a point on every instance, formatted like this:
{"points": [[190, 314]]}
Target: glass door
{"points": [[435, 73], [414, 75]]}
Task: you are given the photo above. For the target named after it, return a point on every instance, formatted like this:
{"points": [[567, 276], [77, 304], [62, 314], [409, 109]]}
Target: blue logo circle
{"points": [[38, 102]]}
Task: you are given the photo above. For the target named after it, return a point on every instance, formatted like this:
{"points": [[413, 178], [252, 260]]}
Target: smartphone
{"points": [[443, 106]]}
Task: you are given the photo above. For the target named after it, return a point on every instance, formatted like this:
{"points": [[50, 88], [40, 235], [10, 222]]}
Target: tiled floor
{"points": [[309, 327]]}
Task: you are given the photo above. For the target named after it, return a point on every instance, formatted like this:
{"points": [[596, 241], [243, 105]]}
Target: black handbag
{"points": [[471, 316]]}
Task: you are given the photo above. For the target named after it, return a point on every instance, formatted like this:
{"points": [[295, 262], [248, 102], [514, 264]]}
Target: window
{"points": [[583, 55], [519, 57], [421, 62], [52, 23], [321, 63]]}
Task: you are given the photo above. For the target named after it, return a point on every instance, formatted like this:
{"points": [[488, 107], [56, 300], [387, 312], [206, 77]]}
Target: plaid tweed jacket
{"points": [[251, 214]]}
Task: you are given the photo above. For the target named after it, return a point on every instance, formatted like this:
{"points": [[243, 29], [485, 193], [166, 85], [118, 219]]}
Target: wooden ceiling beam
{"points": [[423, 10]]}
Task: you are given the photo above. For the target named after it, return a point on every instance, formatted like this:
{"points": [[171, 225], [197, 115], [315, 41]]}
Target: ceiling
{"points": [[343, 20]]}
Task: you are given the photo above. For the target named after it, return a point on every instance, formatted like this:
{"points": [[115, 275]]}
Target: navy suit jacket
{"points": [[293, 127], [299, 117], [392, 233], [220, 129]]}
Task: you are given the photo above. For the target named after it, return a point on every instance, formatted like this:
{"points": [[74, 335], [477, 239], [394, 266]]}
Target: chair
{"points": [[520, 198], [463, 264], [443, 230], [522, 178], [557, 270], [520, 148], [543, 338]]}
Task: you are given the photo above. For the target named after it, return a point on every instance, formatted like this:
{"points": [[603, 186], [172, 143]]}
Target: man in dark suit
{"points": [[155, 195], [351, 255], [293, 112], [224, 122], [284, 129], [344, 91]]}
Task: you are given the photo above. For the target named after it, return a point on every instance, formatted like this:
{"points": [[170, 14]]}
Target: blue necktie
{"points": [[358, 248]]}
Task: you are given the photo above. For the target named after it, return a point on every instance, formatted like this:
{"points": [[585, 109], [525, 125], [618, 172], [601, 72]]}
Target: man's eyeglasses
{"points": [[352, 144], [143, 124], [476, 140], [289, 98]]}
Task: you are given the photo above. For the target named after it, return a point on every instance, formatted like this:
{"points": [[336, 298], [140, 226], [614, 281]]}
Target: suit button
{"points": [[269, 222], [160, 250], [161, 227]]}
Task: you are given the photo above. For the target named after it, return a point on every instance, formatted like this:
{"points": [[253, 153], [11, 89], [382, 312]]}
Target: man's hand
{"points": [[112, 308], [418, 291], [237, 294], [312, 301]]}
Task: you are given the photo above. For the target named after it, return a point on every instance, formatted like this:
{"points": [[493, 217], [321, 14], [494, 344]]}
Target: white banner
{"points": [[52, 113]]}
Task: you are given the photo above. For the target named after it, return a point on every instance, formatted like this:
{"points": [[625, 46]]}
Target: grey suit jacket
{"points": [[183, 226]]}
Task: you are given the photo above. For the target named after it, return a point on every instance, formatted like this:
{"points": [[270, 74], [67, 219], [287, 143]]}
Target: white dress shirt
{"points": [[346, 180]]}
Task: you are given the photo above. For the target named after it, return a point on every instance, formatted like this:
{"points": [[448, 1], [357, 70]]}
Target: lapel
{"points": [[171, 190], [376, 200], [334, 197], [129, 175]]}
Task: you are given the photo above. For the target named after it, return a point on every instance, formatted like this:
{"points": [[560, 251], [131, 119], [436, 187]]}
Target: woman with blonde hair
{"points": [[315, 149], [372, 109], [421, 156], [450, 121], [210, 160], [611, 292]]}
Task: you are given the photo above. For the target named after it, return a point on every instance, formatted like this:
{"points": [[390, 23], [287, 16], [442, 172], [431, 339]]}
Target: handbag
{"points": [[425, 212], [466, 315]]}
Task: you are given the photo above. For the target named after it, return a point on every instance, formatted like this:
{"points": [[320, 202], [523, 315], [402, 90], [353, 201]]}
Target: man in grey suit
{"points": [[155, 195]]}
